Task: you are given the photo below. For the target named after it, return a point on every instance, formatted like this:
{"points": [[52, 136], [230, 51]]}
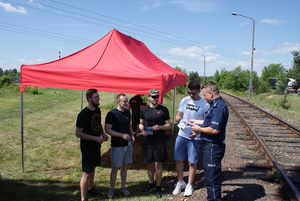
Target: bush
{"points": [[5, 80], [284, 103], [262, 87]]}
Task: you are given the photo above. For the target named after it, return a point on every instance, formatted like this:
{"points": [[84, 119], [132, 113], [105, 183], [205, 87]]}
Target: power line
{"points": [[42, 34], [161, 36], [173, 36]]}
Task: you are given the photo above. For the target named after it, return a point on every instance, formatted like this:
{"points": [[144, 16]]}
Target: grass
{"points": [[271, 102], [52, 155], [51, 149]]}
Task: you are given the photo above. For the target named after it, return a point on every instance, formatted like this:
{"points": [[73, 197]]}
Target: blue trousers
{"points": [[212, 157]]}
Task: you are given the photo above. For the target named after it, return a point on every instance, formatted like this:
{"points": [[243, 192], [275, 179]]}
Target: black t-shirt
{"points": [[90, 121], [120, 122], [135, 104], [153, 116]]}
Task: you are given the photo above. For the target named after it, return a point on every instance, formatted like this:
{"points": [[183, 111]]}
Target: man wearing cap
{"points": [[154, 121], [187, 144]]}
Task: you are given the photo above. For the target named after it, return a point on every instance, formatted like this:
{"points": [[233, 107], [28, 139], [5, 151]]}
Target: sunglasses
{"points": [[191, 93], [154, 97]]}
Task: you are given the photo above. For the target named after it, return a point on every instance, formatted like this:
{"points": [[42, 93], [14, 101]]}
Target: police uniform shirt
{"points": [[216, 117]]}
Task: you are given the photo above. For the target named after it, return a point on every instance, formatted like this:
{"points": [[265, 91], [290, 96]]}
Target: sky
{"points": [[196, 35]]}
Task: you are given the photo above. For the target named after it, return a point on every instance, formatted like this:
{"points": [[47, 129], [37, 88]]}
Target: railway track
{"points": [[278, 143]]}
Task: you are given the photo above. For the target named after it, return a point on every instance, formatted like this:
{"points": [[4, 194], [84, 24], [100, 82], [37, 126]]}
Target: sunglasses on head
{"points": [[154, 97], [191, 93]]}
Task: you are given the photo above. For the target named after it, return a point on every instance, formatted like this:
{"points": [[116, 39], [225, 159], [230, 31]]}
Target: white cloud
{"points": [[194, 51], [34, 3], [246, 53], [192, 59], [287, 47], [244, 24], [9, 8], [273, 22], [24, 61], [282, 49], [203, 6]]}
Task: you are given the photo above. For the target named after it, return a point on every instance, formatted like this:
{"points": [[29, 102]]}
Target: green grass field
{"points": [[52, 155], [51, 149]]}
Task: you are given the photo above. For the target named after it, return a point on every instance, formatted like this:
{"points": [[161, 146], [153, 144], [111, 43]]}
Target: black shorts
{"points": [[154, 151], [90, 159]]}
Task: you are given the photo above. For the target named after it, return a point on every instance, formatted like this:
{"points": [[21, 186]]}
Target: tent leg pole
{"points": [[81, 101], [22, 131], [174, 101]]}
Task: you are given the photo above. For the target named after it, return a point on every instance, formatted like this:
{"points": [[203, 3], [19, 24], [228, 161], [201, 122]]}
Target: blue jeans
{"points": [[212, 157]]}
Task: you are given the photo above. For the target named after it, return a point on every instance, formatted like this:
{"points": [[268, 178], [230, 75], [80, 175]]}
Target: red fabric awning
{"points": [[115, 63]]}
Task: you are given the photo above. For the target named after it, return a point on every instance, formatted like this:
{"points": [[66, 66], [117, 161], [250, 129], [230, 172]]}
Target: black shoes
{"points": [[158, 194], [93, 192], [149, 187]]}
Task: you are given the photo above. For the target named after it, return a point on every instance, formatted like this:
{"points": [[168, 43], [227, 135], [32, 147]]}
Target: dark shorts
{"points": [[154, 152], [90, 159]]}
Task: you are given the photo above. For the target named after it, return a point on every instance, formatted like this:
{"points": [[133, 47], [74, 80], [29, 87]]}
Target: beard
{"points": [[95, 104]]}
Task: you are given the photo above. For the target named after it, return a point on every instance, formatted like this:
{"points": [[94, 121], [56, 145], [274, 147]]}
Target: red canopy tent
{"points": [[115, 63]]}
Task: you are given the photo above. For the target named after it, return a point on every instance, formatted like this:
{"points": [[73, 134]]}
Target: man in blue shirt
{"points": [[213, 130]]}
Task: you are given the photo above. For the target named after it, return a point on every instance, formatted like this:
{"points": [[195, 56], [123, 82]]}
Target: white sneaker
{"points": [[188, 190], [178, 187], [111, 193], [125, 191]]}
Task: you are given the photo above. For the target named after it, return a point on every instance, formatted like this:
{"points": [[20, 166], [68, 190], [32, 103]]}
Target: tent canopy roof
{"points": [[115, 63]]}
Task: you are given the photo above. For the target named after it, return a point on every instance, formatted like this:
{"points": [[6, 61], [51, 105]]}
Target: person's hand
{"points": [[196, 121], [144, 133], [126, 136], [195, 129], [99, 140], [105, 137], [155, 127], [193, 135]]}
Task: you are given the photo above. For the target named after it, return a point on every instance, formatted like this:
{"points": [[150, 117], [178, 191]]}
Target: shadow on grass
{"points": [[138, 164], [23, 190], [50, 190]]}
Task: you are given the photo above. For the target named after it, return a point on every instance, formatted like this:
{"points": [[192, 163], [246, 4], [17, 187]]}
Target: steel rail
{"points": [[273, 116], [265, 148]]}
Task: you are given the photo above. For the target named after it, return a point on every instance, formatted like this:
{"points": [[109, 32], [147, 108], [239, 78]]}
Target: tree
{"points": [[217, 76], [221, 78], [7, 76], [180, 89], [294, 72], [193, 76], [272, 70]]}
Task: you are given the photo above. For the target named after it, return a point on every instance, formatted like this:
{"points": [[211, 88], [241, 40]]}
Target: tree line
{"points": [[8, 77], [238, 79]]}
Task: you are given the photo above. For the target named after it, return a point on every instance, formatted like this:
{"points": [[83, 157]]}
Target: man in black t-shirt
{"points": [[117, 124], [154, 121], [91, 134]]}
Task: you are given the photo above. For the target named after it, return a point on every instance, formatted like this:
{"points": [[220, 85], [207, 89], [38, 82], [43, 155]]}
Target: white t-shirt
{"points": [[191, 109]]}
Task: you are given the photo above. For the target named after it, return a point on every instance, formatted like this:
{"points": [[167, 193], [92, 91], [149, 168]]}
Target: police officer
{"points": [[213, 131]]}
